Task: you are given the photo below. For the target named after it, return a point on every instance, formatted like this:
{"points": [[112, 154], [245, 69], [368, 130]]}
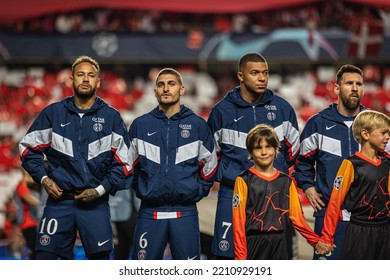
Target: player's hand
{"points": [[87, 195], [315, 199], [324, 248], [52, 188]]}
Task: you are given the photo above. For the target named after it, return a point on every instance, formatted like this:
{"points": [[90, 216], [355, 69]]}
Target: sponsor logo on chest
{"points": [[98, 126], [271, 115], [271, 107], [185, 132]]}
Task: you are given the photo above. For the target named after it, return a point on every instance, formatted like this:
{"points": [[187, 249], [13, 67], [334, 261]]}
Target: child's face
{"points": [[379, 137], [263, 154]]}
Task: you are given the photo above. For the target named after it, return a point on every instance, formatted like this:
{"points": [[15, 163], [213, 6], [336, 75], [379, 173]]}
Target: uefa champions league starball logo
{"points": [[105, 44], [236, 200], [337, 182]]}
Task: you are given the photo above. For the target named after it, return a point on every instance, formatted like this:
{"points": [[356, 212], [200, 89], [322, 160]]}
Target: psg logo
{"points": [[97, 127], [44, 240], [271, 116], [224, 245], [185, 133], [142, 255]]}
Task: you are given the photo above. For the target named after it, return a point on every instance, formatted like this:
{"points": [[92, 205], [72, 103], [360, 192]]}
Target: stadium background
{"points": [[304, 41]]}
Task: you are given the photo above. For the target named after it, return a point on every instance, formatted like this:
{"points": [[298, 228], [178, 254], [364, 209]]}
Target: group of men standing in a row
{"points": [[172, 157]]}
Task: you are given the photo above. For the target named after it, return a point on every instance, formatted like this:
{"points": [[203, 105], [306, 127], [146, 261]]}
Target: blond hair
{"points": [[85, 58], [368, 120]]}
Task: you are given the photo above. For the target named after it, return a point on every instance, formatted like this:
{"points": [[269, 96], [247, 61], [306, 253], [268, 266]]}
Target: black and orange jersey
{"points": [[363, 186], [266, 204]]}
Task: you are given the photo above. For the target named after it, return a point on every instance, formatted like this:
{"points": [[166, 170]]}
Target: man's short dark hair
{"points": [[347, 68], [170, 71], [250, 57]]}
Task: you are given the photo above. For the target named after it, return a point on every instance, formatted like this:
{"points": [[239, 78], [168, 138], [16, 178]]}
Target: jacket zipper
{"points": [[166, 150], [80, 139], [254, 114]]}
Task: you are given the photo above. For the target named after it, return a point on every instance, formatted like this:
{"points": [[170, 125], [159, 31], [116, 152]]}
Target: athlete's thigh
{"points": [[56, 231], [184, 238], [94, 225], [223, 231], [150, 239]]}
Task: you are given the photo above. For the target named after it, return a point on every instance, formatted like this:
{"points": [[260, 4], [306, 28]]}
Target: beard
{"points": [[350, 104], [168, 102], [84, 94]]}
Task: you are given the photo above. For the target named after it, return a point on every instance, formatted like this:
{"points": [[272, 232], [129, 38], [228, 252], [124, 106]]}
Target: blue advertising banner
{"points": [[281, 44]]}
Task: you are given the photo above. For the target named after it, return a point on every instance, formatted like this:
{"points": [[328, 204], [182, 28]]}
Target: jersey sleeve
{"points": [[304, 170], [121, 169], [240, 194], [215, 124], [35, 143], [291, 138], [341, 186], [207, 158], [298, 219]]}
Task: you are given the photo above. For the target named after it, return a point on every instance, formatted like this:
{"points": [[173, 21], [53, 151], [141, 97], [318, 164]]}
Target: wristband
{"points": [[100, 189], [43, 178]]}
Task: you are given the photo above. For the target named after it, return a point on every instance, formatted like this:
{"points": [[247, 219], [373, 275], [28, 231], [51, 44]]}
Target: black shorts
{"points": [[269, 246], [367, 242]]}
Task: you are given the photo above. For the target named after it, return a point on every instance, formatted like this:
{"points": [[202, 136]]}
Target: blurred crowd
{"points": [[332, 14]]}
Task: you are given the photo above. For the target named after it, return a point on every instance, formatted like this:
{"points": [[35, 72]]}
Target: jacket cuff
{"points": [[105, 184], [305, 187]]}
